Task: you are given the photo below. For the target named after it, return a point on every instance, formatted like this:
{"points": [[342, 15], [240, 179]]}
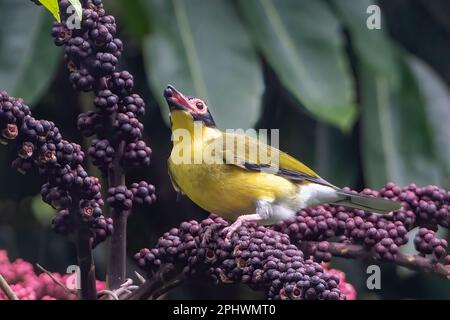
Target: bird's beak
{"points": [[175, 99]]}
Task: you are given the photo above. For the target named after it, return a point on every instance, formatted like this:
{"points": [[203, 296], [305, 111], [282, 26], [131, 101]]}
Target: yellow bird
{"points": [[206, 165]]}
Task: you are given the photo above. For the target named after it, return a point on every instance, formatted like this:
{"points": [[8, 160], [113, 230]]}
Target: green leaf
{"points": [[52, 6], [397, 143], [28, 57], [135, 18], [372, 47], [437, 97], [396, 138], [42, 211], [202, 49], [302, 42]]}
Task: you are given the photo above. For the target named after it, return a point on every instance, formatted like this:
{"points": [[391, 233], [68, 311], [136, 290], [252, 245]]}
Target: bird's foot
{"points": [[263, 212], [229, 231]]}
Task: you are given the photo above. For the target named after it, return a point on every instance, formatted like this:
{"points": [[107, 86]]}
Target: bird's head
{"points": [[192, 106]]}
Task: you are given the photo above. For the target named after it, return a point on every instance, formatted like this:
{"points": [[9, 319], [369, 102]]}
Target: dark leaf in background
{"points": [[437, 97], [396, 140], [202, 48], [302, 42], [396, 143], [336, 155], [328, 151], [28, 57], [134, 18], [371, 46], [42, 211]]}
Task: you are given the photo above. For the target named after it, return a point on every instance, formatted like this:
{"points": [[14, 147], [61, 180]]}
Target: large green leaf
{"points": [[437, 97], [134, 16], [371, 46], [302, 42], [202, 49], [52, 6], [28, 58], [396, 139]]}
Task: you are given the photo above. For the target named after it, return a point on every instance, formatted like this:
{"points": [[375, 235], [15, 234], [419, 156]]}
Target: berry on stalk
{"points": [[120, 198], [143, 193]]}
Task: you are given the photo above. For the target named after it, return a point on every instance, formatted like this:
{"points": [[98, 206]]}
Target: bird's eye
{"points": [[199, 105]]}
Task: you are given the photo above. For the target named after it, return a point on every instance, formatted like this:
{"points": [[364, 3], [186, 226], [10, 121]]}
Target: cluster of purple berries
{"points": [[92, 52], [426, 242], [69, 188], [260, 257], [267, 259], [383, 234]]}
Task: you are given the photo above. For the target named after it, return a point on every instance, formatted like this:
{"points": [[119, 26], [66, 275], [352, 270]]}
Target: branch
{"points": [[117, 253], [86, 261], [118, 246], [7, 289], [354, 251], [55, 280]]}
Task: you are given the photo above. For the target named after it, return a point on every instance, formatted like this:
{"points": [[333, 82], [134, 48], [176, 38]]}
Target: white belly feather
{"points": [[315, 194], [309, 195]]}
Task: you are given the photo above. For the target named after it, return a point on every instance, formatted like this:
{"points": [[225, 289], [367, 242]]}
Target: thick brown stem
{"points": [[117, 256], [86, 261], [118, 245]]}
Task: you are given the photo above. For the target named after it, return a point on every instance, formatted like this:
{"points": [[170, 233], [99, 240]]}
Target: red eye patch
{"points": [[198, 105]]}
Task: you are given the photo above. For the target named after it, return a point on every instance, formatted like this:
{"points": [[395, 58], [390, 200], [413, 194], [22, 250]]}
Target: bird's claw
{"points": [[228, 231]]}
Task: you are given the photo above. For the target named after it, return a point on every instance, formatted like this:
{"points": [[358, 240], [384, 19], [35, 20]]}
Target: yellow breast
{"points": [[227, 190]]}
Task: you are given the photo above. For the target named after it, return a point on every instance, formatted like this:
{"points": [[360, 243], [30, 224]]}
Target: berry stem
{"points": [[354, 251], [117, 253], [85, 260], [118, 248]]}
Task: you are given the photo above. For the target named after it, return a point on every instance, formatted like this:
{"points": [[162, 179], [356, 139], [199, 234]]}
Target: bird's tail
{"points": [[362, 202]]}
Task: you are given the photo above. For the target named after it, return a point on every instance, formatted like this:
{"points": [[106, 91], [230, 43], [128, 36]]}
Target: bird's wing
{"points": [[260, 157]]}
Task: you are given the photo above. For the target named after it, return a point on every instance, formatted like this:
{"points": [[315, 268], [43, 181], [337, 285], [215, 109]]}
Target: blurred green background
{"points": [[362, 107]]}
